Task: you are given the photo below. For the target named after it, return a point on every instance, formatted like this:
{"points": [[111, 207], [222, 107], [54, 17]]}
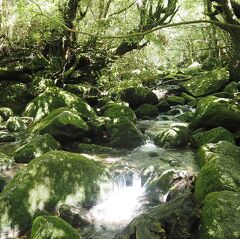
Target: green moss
{"points": [[220, 171], [147, 110], [52, 179], [117, 110], [175, 136], [187, 97], [214, 112], [231, 88], [46, 227], [207, 83], [220, 218], [123, 133], [6, 162], [163, 106], [175, 100], [212, 136], [13, 95], [62, 124], [35, 148], [54, 98]]}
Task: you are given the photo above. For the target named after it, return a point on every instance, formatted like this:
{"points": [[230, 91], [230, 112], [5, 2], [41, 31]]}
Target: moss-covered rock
{"points": [[213, 112], [185, 117], [7, 137], [78, 89], [55, 178], [123, 133], [212, 136], [6, 162], [75, 216], [63, 124], [175, 136], [5, 113], [15, 124], [35, 148], [117, 110], [97, 149], [54, 98], [206, 83], [188, 98], [147, 111], [175, 100], [39, 85], [137, 96], [50, 227], [163, 106], [3, 183], [13, 95], [173, 219], [231, 88], [220, 217], [220, 169]]}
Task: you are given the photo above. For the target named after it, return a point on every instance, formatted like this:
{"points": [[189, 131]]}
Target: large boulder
{"points": [[137, 96], [173, 219], [220, 217], [117, 110], [213, 112], [220, 170], [147, 111], [175, 136], [63, 124], [50, 227], [212, 136], [47, 182], [175, 100], [206, 83], [54, 98], [35, 148], [13, 95], [123, 133]]}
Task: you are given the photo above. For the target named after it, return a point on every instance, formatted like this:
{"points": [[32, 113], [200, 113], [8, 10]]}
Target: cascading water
{"points": [[120, 206]]}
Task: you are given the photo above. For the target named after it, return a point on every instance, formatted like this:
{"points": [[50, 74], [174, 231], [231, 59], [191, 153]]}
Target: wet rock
{"points": [[117, 110], [220, 217], [213, 112], [175, 136], [15, 124], [45, 227], [147, 110], [123, 133], [158, 188], [137, 96], [48, 181], [5, 113], [13, 95], [188, 98], [175, 100], [35, 148], [163, 106], [173, 219], [75, 216], [219, 171], [54, 98], [207, 83], [63, 124], [212, 136]]}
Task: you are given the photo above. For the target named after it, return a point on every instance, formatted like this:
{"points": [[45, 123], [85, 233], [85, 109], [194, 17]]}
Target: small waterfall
{"points": [[121, 203]]}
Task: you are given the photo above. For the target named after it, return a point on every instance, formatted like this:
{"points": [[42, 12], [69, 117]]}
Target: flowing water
{"points": [[128, 197]]}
